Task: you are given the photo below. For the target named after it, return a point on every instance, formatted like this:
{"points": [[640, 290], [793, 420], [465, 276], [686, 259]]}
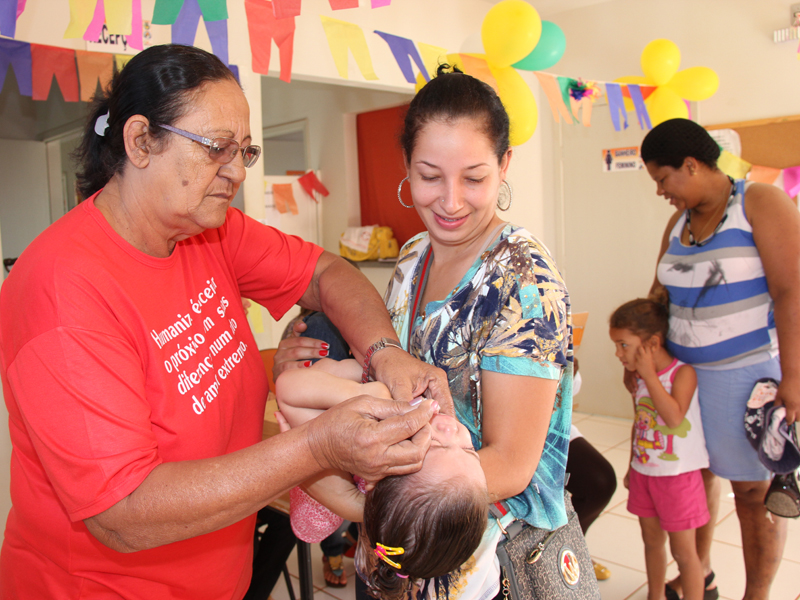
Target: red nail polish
{"points": [[307, 363], [323, 353], [325, 345]]}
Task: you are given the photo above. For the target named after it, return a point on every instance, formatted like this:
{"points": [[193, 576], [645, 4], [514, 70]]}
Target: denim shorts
{"points": [[723, 399]]}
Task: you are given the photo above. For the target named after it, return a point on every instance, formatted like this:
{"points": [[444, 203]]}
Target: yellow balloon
{"points": [[660, 61], [665, 104], [695, 83], [510, 31], [637, 79], [519, 102]]}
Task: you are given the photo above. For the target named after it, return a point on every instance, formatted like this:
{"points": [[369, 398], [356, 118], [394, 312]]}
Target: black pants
{"points": [[592, 481], [271, 551]]}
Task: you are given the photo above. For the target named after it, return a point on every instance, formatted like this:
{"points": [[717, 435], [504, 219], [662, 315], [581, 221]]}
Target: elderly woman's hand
{"points": [[372, 438], [407, 378]]}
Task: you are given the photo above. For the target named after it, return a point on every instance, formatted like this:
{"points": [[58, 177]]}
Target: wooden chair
{"points": [[282, 504]]}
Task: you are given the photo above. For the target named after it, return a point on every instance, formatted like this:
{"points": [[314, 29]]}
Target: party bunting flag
{"points": [[283, 9], [380, 3], [616, 105], [343, 36], [432, 57], [95, 28], [47, 61], [638, 103], [120, 60], [732, 165], [478, 68], [552, 89], [184, 29], [310, 184], [404, 52], [284, 198], [93, 67], [166, 11], [10, 10], [343, 4], [763, 174], [264, 27], [791, 181], [582, 107], [18, 55]]}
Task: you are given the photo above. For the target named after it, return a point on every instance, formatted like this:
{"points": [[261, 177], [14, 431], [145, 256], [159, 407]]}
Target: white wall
{"points": [[614, 222]]}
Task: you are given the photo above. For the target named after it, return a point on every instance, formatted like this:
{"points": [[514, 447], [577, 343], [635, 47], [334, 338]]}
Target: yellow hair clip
{"points": [[384, 552]]}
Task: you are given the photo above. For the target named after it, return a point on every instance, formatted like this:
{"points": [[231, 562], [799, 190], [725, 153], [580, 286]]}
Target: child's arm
{"points": [[304, 393], [671, 408]]}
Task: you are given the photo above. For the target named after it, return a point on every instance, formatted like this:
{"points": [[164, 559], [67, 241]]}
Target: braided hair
{"points": [[673, 141]]}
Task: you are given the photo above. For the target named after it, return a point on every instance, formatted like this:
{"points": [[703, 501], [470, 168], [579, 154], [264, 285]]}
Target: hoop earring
{"points": [[501, 205], [399, 199]]}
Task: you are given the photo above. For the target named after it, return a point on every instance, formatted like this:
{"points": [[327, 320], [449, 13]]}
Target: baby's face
{"points": [[451, 453]]}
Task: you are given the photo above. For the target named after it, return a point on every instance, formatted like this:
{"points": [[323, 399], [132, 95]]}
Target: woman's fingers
{"points": [[406, 377], [371, 437], [296, 353]]}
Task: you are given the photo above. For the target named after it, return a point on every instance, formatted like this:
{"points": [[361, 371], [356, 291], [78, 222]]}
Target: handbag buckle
{"points": [[534, 556]]}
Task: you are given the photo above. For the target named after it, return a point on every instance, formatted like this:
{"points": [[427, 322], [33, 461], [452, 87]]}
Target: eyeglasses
{"points": [[221, 150]]}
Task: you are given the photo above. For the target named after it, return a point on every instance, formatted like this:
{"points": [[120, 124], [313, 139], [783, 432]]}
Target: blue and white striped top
{"points": [[720, 313]]}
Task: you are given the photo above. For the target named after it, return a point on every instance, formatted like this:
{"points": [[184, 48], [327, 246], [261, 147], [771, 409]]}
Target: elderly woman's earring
{"points": [[505, 197], [399, 199]]}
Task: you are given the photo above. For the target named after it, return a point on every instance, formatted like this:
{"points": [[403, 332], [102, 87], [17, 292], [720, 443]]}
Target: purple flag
{"points": [[638, 103], [616, 105], [403, 48], [17, 54]]}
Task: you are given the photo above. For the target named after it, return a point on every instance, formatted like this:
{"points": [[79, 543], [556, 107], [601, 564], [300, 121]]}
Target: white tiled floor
{"points": [[615, 540]]}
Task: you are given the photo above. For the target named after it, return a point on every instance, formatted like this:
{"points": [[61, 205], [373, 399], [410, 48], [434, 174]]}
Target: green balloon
{"points": [[547, 52]]}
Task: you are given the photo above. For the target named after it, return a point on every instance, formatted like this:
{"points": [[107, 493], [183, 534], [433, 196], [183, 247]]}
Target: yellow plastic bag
{"points": [[368, 243]]}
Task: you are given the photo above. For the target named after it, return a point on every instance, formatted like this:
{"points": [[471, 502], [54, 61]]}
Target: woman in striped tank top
{"points": [[730, 262]]}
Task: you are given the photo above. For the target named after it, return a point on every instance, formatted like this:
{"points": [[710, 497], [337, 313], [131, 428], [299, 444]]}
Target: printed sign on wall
{"points": [[622, 159]]}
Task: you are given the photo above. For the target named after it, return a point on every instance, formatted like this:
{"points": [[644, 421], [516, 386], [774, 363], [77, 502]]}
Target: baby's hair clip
{"points": [[384, 552]]}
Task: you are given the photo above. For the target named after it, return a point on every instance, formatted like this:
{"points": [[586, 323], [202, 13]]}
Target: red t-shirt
{"points": [[113, 362]]}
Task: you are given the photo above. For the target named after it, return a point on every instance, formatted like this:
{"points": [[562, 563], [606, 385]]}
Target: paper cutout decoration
{"points": [[18, 55], [763, 174], [380, 3], [263, 28], [120, 60], [582, 107], [404, 52], [184, 29], [310, 183], [284, 198], [81, 13], [133, 39], [10, 10], [616, 105], [477, 67], [166, 12], [733, 166], [552, 89], [432, 56], [343, 36], [47, 61], [791, 181], [283, 9], [343, 4], [93, 67], [638, 103]]}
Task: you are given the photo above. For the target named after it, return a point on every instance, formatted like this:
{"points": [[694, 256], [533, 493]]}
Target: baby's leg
{"points": [[684, 551], [655, 556]]}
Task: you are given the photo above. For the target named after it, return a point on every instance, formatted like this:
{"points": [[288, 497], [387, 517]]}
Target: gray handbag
{"points": [[538, 564]]}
